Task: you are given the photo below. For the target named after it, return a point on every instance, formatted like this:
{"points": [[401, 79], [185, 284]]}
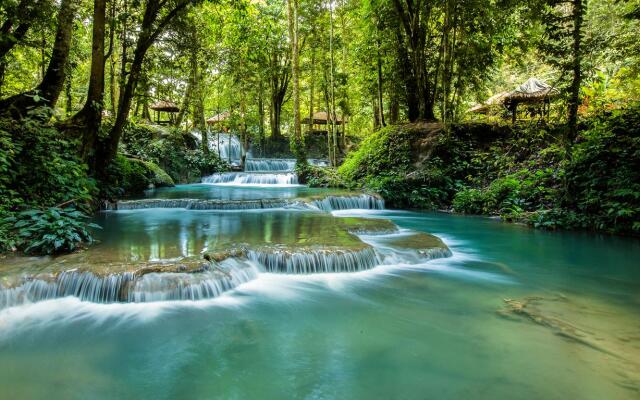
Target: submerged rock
{"points": [[572, 320]]}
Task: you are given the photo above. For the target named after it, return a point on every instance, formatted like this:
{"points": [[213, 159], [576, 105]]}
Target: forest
{"points": [[396, 93], [320, 199]]}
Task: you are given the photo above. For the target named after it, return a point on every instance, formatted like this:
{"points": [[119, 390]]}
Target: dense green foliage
{"points": [[174, 151], [368, 63], [51, 231], [39, 167], [315, 176], [524, 175]]}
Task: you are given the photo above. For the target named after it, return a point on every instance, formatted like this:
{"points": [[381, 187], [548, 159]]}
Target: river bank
{"points": [[521, 173]]}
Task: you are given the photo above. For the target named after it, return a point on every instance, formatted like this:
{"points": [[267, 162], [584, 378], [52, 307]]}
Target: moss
{"points": [[160, 177]]}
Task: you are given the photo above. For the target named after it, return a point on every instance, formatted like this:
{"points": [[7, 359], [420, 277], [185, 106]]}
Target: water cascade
{"points": [[363, 202], [315, 261], [129, 286], [227, 151], [196, 204], [269, 164], [252, 178]]}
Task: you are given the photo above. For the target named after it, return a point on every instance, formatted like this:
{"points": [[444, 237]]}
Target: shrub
{"points": [[315, 176], [469, 201], [51, 231], [131, 176], [38, 166]]}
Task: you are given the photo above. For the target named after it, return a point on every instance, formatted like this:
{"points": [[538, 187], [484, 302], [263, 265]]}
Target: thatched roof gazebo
{"points": [[531, 92], [322, 118], [167, 107], [222, 117]]}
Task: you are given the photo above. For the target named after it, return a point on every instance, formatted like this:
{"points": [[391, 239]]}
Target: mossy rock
{"points": [[160, 177]]}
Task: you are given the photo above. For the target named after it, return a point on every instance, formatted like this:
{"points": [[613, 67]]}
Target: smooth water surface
{"points": [[427, 330]]}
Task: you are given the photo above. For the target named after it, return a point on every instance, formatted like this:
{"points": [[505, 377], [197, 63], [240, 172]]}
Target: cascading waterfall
{"points": [[363, 201], [329, 203], [315, 261], [269, 165], [186, 286], [128, 287], [226, 152], [195, 204], [244, 178]]}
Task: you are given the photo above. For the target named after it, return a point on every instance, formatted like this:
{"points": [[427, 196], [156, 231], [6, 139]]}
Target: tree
{"points": [[89, 119], [156, 17], [296, 142], [49, 89]]}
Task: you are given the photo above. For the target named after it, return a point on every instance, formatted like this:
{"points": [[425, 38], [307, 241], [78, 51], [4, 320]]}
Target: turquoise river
{"points": [[319, 294]]}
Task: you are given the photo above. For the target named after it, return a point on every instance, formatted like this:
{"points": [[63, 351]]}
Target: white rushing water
{"points": [[269, 165], [128, 287], [362, 202], [316, 261], [230, 148], [252, 179]]}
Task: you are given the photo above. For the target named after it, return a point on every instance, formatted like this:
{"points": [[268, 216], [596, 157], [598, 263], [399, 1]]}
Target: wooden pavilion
{"points": [[533, 92], [167, 107], [220, 119], [322, 118]]}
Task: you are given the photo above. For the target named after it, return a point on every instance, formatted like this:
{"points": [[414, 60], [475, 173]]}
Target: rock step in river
{"points": [[157, 249], [324, 203]]}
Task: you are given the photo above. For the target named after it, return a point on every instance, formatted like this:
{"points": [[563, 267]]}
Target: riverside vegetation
{"points": [[387, 86]]}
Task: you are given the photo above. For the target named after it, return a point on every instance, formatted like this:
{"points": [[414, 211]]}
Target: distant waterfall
{"points": [[235, 150], [246, 178], [129, 287], [363, 201], [315, 261], [269, 165]]}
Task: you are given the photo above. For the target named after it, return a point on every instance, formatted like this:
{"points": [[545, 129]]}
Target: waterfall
{"points": [[185, 286], [194, 204], [129, 287], [397, 256], [269, 165], [244, 178], [363, 201], [328, 203], [315, 261], [235, 150]]}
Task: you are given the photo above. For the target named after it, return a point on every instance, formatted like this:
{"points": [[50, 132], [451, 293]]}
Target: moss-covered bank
{"points": [[522, 173]]}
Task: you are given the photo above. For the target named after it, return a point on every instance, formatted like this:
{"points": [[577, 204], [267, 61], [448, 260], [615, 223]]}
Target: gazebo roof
{"points": [[321, 118], [223, 116], [532, 90], [166, 106]]}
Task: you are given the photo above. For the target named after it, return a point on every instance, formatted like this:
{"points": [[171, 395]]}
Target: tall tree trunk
{"points": [[332, 113], [394, 108], [150, 30], [90, 117], [574, 90], [379, 68], [187, 94], [276, 111], [296, 144], [312, 85], [261, 115], [52, 83], [17, 24]]}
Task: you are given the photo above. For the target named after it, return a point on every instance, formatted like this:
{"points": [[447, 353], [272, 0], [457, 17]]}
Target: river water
{"points": [[512, 313]]}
